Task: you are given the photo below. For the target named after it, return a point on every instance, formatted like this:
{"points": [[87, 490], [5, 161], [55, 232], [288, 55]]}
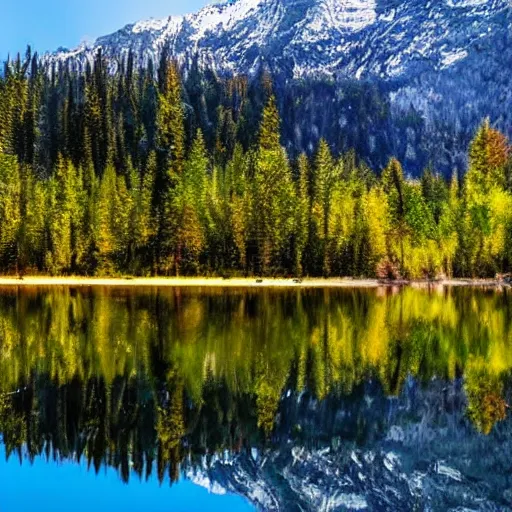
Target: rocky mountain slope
{"points": [[440, 66], [358, 39]]}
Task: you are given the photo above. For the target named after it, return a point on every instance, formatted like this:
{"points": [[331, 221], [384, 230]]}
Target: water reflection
{"points": [[209, 383]]}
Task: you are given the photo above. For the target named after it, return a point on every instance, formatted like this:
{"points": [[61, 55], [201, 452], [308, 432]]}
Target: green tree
{"points": [[64, 216], [170, 120], [193, 219], [483, 198], [10, 210], [393, 183], [435, 193], [171, 141], [326, 178], [32, 229], [273, 199], [143, 224], [106, 220], [303, 209]]}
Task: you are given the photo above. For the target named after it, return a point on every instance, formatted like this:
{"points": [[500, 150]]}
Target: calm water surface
{"points": [[183, 399]]}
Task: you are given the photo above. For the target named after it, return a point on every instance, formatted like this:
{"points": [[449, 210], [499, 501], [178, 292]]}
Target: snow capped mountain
{"points": [[352, 38], [409, 78]]}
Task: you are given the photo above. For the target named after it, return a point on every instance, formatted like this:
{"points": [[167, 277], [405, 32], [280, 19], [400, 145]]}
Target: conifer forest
{"points": [[156, 171]]}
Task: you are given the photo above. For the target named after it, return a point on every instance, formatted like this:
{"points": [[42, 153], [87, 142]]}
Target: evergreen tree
{"points": [[170, 120], [32, 230], [302, 223], [63, 215], [106, 220], [435, 192], [393, 184], [188, 208], [238, 196], [273, 193], [171, 141], [144, 227], [325, 179]]}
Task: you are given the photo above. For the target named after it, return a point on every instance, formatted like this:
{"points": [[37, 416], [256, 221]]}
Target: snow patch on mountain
{"points": [[465, 3], [347, 16], [454, 56], [151, 25]]}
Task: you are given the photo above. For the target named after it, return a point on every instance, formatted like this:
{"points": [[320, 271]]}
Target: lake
{"points": [[260, 399]]}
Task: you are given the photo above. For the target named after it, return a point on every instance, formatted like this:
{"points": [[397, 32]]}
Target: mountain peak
{"points": [[352, 38]]}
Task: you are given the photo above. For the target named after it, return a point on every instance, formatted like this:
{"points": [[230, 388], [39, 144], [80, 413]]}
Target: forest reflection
{"points": [[163, 379]]}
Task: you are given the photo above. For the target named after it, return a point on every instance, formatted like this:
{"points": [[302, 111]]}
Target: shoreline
{"points": [[188, 282]]}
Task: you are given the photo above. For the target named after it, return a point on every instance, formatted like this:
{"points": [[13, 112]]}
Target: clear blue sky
{"points": [[48, 24], [59, 487]]}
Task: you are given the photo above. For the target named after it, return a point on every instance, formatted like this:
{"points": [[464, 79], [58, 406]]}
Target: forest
{"points": [[156, 171]]}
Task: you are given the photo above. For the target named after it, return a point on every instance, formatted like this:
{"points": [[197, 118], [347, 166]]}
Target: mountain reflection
{"points": [[170, 380]]}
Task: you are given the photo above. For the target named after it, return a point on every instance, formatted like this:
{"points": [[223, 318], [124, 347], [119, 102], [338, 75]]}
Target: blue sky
{"points": [[48, 24], [53, 487]]}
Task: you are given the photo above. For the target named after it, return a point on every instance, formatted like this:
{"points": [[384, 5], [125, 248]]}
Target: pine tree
{"points": [[171, 142], [302, 223], [63, 208], [269, 135], [326, 177], [273, 195], [238, 194], [170, 120], [82, 223], [195, 174], [435, 192], [376, 217], [94, 136], [448, 226], [482, 194], [144, 222], [187, 209], [105, 220], [32, 230], [30, 120], [123, 214], [393, 183]]}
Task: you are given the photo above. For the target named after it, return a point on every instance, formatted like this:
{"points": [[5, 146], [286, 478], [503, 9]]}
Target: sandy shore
{"points": [[235, 282]]}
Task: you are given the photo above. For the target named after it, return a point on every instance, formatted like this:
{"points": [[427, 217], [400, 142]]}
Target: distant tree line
{"points": [[156, 172]]}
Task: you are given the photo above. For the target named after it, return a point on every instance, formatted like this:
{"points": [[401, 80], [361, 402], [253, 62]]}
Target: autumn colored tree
{"points": [[488, 155]]}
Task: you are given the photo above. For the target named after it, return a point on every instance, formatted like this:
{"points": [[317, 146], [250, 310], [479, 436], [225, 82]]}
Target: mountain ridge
{"points": [[354, 38]]}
